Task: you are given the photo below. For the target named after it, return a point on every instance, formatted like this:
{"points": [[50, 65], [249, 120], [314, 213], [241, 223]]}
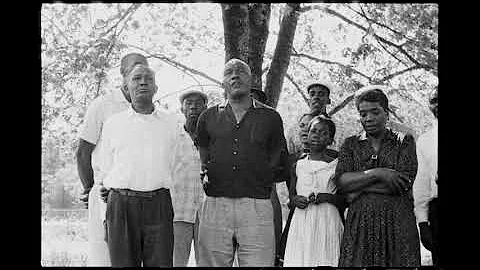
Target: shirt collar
{"points": [[132, 112], [388, 136], [255, 103]]}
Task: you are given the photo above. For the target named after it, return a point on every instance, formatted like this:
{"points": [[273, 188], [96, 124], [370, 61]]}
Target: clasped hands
{"points": [[302, 202]]}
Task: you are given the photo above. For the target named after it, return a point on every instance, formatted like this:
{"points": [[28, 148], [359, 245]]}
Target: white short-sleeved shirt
{"points": [[99, 110], [138, 150], [424, 186]]}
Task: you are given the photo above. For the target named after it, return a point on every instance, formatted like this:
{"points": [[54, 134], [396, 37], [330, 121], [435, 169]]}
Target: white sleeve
{"points": [[421, 185], [92, 123], [105, 150]]}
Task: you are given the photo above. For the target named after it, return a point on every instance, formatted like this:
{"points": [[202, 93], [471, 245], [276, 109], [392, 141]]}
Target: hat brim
{"points": [[192, 92]]}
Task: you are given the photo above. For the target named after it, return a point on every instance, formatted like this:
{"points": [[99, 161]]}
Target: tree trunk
{"points": [[259, 18], [281, 56], [236, 31]]}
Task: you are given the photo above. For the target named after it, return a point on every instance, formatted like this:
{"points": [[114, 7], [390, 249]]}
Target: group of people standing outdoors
{"points": [[155, 183]]}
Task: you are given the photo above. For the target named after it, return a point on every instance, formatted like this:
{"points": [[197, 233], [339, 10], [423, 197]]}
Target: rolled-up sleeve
{"points": [[345, 161], [92, 123], [421, 186]]}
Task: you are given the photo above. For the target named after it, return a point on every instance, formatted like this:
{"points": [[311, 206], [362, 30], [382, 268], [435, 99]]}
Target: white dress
{"points": [[316, 231]]}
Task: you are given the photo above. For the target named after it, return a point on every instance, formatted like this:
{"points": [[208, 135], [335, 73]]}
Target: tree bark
{"points": [[236, 31], [259, 18], [281, 56]]}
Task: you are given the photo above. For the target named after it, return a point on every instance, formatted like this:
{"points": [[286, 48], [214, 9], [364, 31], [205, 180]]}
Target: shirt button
{"points": [[234, 152], [235, 140], [237, 126], [234, 168]]}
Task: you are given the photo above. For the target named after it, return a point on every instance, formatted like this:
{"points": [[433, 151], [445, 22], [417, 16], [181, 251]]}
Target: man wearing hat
{"points": [[187, 191], [425, 186]]}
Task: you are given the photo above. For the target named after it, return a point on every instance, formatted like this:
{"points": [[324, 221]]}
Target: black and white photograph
{"points": [[210, 134]]}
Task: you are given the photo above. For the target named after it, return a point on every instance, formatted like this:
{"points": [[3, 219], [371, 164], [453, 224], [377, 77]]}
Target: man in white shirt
{"points": [[425, 185], [187, 191], [137, 154], [89, 169]]}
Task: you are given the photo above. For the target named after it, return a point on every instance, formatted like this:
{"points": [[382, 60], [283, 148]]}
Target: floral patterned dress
{"points": [[380, 230]]}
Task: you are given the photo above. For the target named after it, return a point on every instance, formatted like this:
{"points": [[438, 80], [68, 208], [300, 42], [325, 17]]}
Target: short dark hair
{"points": [[373, 95], [124, 61], [327, 121]]}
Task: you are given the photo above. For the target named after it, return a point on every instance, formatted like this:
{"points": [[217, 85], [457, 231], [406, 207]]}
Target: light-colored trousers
{"points": [[97, 247], [241, 225], [184, 233]]}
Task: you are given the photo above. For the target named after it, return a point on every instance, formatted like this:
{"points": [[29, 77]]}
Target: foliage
{"points": [[347, 44]]}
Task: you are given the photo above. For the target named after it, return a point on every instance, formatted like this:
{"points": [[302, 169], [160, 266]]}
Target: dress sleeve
{"points": [[407, 160], [345, 160]]}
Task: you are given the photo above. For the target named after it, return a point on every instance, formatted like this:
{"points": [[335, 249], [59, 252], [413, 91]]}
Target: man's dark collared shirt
{"points": [[244, 159]]}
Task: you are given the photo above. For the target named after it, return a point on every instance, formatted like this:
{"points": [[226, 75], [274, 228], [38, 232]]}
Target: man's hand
{"points": [[84, 196], [426, 235], [104, 193], [300, 201]]}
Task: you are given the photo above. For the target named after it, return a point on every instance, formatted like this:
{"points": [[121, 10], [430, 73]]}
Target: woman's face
{"points": [[303, 124], [373, 117]]}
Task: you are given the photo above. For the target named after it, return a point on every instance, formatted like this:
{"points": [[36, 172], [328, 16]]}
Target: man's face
{"points": [[193, 105], [303, 124], [236, 79], [319, 99], [141, 84], [372, 116], [133, 60]]}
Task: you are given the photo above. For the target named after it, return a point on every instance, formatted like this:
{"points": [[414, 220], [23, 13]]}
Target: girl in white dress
{"points": [[316, 229]]}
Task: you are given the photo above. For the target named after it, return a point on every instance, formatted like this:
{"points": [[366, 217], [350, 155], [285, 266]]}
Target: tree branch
{"points": [[177, 65], [332, 63], [297, 87], [390, 76], [383, 40]]}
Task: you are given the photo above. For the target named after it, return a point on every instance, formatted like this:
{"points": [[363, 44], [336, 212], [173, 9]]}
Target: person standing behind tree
{"points": [[187, 191], [376, 170], [138, 154], [242, 150], [425, 187], [89, 170]]}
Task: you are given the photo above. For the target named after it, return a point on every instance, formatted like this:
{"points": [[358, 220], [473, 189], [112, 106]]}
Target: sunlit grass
{"points": [[64, 240]]}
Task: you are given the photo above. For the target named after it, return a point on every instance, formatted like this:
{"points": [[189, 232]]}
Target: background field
{"points": [[64, 239]]}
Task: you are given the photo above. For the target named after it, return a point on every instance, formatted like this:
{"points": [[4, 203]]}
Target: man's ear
{"points": [[155, 88], [329, 101]]}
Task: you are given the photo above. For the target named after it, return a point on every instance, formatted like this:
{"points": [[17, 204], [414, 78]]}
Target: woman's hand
{"points": [[300, 201], [397, 181]]}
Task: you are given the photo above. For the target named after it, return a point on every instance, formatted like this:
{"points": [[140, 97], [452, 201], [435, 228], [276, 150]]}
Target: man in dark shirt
{"points": [[242, 150]]}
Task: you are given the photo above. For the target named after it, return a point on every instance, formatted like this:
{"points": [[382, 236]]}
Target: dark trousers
{"points": [[140, 229], [434, 226]]}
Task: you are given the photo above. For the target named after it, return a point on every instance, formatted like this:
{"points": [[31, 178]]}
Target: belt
{"points": [[134, 193]]}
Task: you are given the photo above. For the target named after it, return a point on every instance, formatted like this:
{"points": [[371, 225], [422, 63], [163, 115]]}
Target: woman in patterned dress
{"points": [[376, 170]]}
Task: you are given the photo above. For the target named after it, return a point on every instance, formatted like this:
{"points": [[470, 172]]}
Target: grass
{"points": [[64, 239]]}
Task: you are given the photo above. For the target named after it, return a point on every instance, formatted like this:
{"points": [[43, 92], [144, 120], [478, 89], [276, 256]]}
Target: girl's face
{"points": [[303, 124], [319, 136]]}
